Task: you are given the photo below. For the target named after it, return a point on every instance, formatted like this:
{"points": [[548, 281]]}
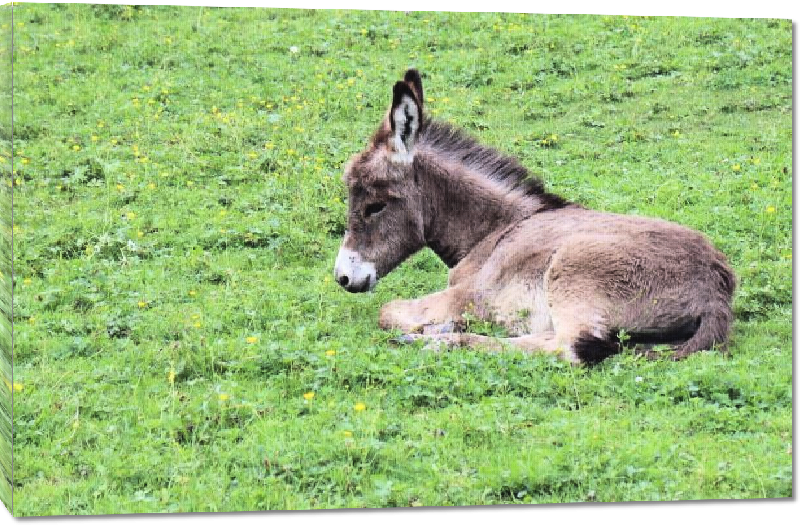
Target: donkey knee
{"points": [[398, 314]]}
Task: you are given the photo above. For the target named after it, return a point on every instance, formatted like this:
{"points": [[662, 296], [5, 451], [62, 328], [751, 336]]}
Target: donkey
{"points": [[559, 277]]}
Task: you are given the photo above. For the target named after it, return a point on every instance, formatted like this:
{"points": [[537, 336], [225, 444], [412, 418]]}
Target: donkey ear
{"points": [[405, 118], [415, 81]]}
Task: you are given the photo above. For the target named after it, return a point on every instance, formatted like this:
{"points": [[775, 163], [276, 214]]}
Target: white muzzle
{"points": [[353, 273]]}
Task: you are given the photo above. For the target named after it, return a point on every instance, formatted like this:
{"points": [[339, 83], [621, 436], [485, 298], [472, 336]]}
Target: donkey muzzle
{"points": [[353, 273]]}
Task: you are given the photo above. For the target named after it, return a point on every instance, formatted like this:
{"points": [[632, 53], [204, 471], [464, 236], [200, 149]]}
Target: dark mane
{"points": [[487, 161]]}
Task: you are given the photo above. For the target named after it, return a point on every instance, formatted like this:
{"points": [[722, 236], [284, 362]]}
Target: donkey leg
{"points": [[441, 308], [545, 342]]}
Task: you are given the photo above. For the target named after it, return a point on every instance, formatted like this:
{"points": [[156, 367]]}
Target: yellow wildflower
{"points": [[171, 376], [736, 167], [192, 293], [75, 147], [330, 353], [347, 434], [252, 339], [142, 304], [224, 397], [360, 407], [308, 396], [770, 209]]}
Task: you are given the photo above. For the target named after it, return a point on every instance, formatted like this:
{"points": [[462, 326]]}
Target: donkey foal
{"points": [[560, 278]]}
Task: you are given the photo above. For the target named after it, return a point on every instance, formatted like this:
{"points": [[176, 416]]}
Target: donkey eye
{"points": [[373, 209]]}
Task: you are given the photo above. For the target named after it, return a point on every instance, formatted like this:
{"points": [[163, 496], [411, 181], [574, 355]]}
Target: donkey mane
{"points": [[488, 162]]}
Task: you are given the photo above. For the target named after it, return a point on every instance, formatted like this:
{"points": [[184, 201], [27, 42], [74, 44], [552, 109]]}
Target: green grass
{"points": [[5, 276], [179, 207]]}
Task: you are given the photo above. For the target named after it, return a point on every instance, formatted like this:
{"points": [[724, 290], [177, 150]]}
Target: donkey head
{"points": [[385, 219]]}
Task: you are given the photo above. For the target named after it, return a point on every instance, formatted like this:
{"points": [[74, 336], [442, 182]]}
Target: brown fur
{"points": [[559, 277]]}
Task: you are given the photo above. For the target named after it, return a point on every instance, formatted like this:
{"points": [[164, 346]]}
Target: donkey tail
{"points": [[716, 319], [708, 330], [712, 330]]}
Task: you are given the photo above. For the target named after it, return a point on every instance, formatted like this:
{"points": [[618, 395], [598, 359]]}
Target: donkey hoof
{"points": [[680, 355], [437, 347], [437, 329], [405, 339], [647, 352], [650, 355]]}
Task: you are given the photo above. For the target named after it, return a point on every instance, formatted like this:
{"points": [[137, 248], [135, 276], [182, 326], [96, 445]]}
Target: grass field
{"points": [[180, 344]]}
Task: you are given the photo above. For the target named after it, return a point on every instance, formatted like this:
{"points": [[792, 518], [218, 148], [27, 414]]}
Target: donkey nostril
{"points": [[343, 280]]}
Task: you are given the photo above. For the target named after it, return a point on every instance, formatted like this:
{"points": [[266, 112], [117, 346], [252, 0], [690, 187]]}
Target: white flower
{"points": [[294, 49], [639, 379]]}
